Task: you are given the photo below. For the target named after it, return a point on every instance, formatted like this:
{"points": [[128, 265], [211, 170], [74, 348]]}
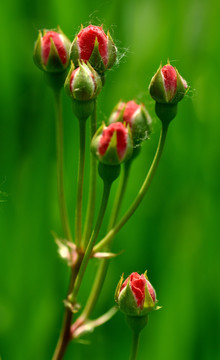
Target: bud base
{"points": [[82, 109], [108, 173], [166, 112], [137, 323]]}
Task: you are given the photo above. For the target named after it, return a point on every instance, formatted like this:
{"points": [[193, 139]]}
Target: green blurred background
{"points": [[175, 232]]}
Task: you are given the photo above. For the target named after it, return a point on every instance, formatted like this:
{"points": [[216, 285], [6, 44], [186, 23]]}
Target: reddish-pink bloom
{"points": [[59, 44]]}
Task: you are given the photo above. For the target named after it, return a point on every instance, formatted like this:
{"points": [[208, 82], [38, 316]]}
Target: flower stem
{"points": [[81, 165], [65, 335], [120, 194], [105, 197], [103, 267], [107, 239], [60, 179], [92, 185], [134, 349]]}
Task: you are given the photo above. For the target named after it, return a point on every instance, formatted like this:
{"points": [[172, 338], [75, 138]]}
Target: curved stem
{"points": [[107, 239], [105, 197], [81, 165], [92, 185], [103, 267], [60, 180], [134, 349]]}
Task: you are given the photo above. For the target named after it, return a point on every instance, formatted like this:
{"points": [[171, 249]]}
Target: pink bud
{"points": [[86, 41], [138, 284], [121, 134], [59, 44], [167, 85]]}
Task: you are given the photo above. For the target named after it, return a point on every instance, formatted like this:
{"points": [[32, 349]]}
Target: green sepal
{"points": [[68, 78], [112, 52], [37, 56], [118, 288], [140, 126], [180, 89], [96, 59], [127, 302], [157, 88], [74, 51], [54, 63], [166, 112], [94, 147]]}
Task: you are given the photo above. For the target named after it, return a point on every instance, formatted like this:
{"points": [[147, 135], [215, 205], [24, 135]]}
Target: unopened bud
{"points": [[112, 145], [51, 51], [93, 45], [136, 117]]}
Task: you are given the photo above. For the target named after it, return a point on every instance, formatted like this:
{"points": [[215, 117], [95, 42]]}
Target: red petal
{"points": [[58, 42], [86, 41], [170, 79]]}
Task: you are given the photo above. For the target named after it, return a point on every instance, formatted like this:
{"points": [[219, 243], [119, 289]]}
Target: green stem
{"points": [[103, 267], [92, 185], [78, 213], [120, 194], [134, 349], [105, 197], [60, 179], [107, 239]]}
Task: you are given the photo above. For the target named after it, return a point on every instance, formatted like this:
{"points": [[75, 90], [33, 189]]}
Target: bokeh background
{"points": [[174, 233]]}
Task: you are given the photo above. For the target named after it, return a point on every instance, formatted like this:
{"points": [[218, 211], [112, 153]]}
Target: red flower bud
{"points": [[112, 145], [93, 45], [167, 86], [136, 296], [135, 116], [51, 52]]}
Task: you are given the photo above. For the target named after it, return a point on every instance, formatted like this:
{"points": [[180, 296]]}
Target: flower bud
{"points": [[136, 296], [134, 115], [51, 51], [83, 83], [93, 45], [167, 86], [113, 144]]}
